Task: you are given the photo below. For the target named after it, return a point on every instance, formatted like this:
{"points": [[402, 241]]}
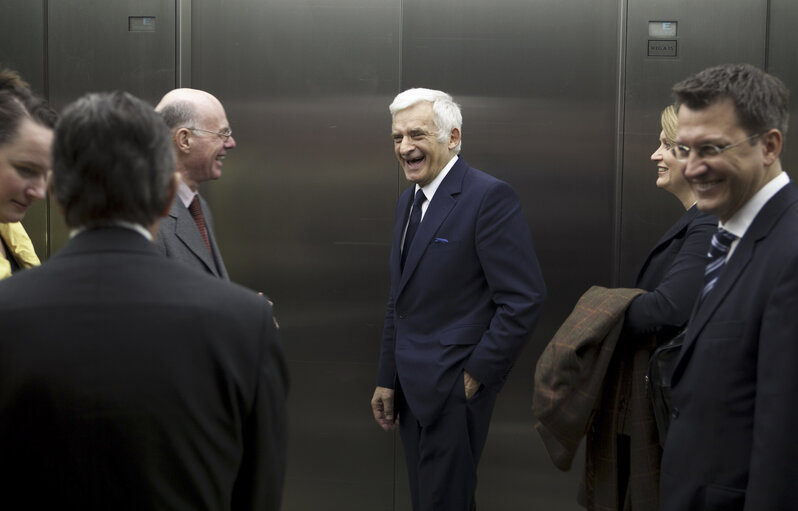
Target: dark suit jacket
{"points": [[179, 238], [470, 294], [732, 445], [672, 273], [129, 382]]}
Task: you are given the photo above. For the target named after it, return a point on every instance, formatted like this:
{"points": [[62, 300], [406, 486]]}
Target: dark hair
{"points": [[760, 100], [18, 102], [112, 161]]}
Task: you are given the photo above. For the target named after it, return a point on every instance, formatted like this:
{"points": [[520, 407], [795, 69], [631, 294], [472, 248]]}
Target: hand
{"points": [[471, 385], [382, 406]]}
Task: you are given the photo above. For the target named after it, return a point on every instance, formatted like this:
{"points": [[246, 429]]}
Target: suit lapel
{"points": [[671, 233], [217, 254], [739, 260], [402, 213], [439, 208], [187, 232]]}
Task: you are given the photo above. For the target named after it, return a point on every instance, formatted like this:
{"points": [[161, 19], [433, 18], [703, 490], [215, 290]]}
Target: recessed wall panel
{"points": [[304, 213], [537, 82], [709, 33]]}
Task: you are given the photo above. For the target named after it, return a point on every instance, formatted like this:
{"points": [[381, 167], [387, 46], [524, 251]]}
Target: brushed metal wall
{"points": [[709, 33], [560, 100]]}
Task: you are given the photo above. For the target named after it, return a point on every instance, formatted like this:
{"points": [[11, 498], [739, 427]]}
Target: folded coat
{"points": [[570, 372]]}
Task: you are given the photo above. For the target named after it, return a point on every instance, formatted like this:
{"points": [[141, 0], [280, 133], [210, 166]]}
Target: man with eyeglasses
{"points": [[731, 443], [201, 136]]}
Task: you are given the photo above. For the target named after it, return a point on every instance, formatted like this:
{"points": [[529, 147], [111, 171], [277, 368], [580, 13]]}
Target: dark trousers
{"points": [[442, 457]]}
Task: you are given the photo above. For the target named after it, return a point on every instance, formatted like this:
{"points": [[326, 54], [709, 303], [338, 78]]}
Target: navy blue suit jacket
{"points": [[732, 444], [470, 294]]}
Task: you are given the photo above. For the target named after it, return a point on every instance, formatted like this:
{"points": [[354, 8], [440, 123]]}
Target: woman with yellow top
{"points": [[26, 133]]}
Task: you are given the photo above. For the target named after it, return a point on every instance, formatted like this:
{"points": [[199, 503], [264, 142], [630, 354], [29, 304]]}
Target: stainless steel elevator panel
{"points": [[97, 46], [537, 82], [709, 33], [781, 61], [304, 213]]}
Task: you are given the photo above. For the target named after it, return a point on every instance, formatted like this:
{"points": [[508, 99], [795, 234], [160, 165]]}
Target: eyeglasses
{"points": [[682, 152], [224, 135]]}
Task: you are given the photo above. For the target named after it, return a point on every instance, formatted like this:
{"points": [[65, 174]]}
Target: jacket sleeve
{"points": [[773, 470], [259, 484], [671, 302], [511, 269]]}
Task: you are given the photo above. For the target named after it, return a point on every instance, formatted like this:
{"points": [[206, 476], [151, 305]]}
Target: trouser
{"points": [[442, 457]]}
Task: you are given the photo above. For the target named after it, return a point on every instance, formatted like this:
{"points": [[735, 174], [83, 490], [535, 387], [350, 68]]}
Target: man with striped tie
{"points": [[731, 443], [201, 136]]}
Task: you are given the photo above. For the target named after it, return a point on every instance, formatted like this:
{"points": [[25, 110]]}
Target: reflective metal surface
{"points": [[707, 35], [559, 99], [782, 54]]}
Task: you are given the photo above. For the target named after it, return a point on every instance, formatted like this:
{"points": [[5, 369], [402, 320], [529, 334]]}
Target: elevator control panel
{"points": [[141, 24], [662, 38]]}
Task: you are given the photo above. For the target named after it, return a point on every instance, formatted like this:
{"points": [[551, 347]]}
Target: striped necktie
{"points": [[716, 258]]}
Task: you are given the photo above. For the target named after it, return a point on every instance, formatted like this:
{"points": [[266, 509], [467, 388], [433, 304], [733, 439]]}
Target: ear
{"points": [[772, 142], [454, 138], [183, 140]]}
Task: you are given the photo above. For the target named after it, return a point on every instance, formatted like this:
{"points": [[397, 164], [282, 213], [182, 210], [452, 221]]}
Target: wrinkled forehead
{"points": [[417, 116]]}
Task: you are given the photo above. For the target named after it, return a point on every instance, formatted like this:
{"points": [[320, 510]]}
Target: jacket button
{"points": [[675, 413], [402, 315]]}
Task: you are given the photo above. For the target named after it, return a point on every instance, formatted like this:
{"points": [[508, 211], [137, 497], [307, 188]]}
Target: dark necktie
{"points": [[412, 227], [716, 258], [196, 212]]}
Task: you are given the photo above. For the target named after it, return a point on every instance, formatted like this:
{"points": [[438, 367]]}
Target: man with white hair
{"points": [[466, 294], [201, 136]]}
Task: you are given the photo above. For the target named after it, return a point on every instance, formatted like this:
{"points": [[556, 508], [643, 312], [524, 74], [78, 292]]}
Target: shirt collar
{"points": [[116, 223], [185, 193], [739, 223], [432, 186]]}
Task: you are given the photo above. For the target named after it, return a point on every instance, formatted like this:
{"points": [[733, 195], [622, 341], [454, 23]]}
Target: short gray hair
{"points": [[446, 113]]}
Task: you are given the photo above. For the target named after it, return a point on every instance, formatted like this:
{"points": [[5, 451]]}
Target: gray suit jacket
{"points": [[179, 238]]}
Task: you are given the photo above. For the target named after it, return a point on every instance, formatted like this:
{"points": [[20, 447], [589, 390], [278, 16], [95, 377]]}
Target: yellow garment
{"points": [[21, 247]]}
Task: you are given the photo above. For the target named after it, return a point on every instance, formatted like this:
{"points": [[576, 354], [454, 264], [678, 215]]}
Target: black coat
{"points": [[129, 382]]}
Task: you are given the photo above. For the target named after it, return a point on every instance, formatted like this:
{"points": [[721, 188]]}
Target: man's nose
{"points": [[694, 165], [406, 145]]}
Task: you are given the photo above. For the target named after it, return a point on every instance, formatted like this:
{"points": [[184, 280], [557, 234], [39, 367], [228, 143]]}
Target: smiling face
{"points": [[205, 152], [24, 164], [669, 171], [725, 182], [415, 139]]}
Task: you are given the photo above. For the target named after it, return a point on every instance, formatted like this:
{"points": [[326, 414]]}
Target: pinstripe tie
{"points": [[716, 257]]}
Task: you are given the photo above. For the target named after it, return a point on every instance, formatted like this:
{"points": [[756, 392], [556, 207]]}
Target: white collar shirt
{"points": [[739, 223]]}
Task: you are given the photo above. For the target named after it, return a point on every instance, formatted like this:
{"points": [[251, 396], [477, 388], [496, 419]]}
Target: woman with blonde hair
{"points": [[26, 134], [624, 453]]}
